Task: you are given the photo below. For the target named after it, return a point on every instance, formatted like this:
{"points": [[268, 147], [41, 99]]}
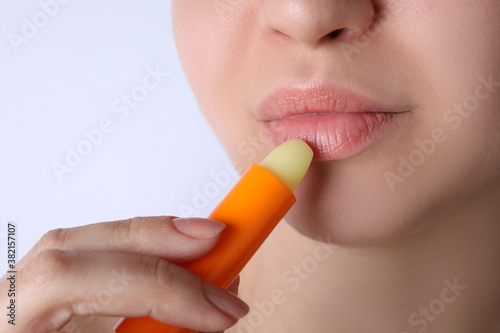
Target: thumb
{"points": [[233, 288]]}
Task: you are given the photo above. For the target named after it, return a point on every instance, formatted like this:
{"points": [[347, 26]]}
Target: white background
{"points": [[62, 80]]}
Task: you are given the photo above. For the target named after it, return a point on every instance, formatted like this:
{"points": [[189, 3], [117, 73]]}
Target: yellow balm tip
{"points": [[289, 162]]}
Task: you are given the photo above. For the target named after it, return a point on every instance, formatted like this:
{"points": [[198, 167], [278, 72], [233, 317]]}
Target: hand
{"points": [[121, 269]]}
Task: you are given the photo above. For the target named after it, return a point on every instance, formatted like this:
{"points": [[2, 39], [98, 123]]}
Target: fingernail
{"points": [[224, 301], [198, 227]]}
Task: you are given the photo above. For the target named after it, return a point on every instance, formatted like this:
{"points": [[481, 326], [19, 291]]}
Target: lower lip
{"points": [[333, 136]]}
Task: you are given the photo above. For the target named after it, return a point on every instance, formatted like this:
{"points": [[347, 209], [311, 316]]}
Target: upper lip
{"points": [[316, 99]]}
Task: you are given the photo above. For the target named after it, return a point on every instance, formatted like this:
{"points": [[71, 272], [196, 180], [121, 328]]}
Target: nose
{"points": [[312, 21]]}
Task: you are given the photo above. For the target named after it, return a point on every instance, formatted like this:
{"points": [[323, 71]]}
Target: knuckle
{"points": [[128, 232], [45, 267], [165, 273], [53, 239]]}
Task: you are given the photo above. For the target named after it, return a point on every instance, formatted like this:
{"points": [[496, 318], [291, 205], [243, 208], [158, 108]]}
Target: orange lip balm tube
{"points": [[251, 210]]}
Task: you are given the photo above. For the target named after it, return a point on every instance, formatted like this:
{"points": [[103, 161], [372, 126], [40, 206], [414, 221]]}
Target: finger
{"points": [[173, 239], [60, 284], [233, 288]]}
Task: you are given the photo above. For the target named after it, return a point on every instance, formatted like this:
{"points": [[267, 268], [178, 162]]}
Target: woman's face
{"points": [[398, 99]]}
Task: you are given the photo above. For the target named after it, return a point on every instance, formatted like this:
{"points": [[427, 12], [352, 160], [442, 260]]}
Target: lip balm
{"points": [[251, 210]]}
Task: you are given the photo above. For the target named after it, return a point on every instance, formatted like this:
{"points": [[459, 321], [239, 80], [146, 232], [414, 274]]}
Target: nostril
{"points": [[335, 33]]}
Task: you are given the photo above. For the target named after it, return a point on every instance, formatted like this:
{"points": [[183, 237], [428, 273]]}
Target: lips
{"points": [[336, 122]]}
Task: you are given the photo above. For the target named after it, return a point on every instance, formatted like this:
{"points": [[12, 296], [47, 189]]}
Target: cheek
{"points": [[212, 40], [462, 66], [457, 59]]}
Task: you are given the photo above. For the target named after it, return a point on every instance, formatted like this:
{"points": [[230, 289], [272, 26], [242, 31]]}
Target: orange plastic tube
{"points": [[251, 210]]}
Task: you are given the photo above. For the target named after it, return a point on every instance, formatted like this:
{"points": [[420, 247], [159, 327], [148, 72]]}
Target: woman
{"points": [[396, 223]]}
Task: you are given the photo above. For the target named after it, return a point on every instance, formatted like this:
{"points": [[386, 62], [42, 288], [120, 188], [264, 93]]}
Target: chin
{"points": [[347, 232], [339, 215]]}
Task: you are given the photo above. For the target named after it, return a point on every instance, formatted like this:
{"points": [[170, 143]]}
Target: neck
{"points": [[423, 283]]}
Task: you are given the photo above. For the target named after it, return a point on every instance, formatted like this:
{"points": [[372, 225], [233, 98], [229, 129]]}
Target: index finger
{"points": [[152, 236]]}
